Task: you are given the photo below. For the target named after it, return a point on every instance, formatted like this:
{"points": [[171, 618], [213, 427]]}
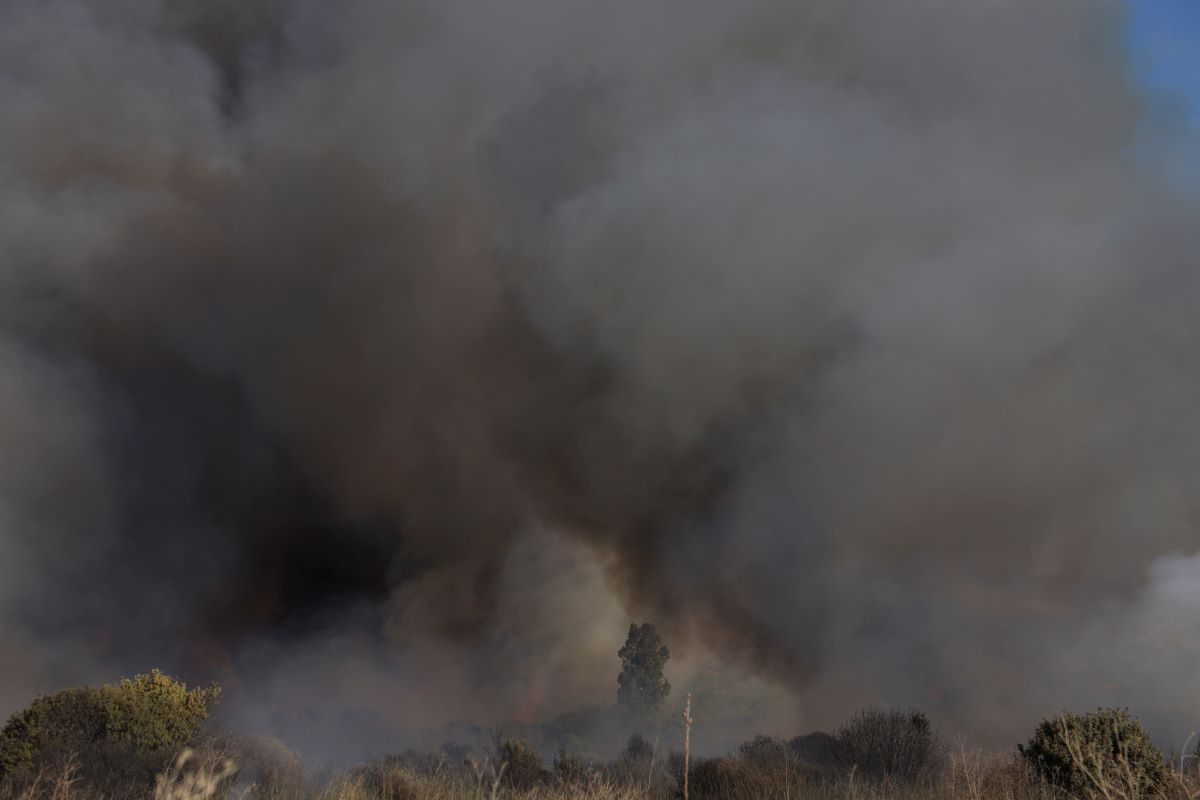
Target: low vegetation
{"points": [[207, 774], [146, 738], [889, 744], [113, 739], [1098, 754], [150, 737]]}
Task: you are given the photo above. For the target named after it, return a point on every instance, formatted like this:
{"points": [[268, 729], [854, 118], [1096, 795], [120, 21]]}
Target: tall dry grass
{"points": [[969, 774]]}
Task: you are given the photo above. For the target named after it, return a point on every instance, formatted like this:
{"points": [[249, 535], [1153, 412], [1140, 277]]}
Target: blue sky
{"points": [[1166, 43]]}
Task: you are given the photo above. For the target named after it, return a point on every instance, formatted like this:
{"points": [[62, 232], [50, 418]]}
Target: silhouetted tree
{"points": [[641, 685], [889, 744]]}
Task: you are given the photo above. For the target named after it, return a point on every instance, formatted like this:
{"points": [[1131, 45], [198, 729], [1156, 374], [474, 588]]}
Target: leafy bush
{"points": [[569, 766], [130, 729], [523, 766], [889, 744], [1095, 753]]}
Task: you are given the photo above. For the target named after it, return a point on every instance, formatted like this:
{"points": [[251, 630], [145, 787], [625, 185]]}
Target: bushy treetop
{"points": [[641, 685], [148, 713], [1102, 751]]}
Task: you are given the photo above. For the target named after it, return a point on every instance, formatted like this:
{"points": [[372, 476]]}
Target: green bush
{"points": [[1097, 753], [137, 724]]}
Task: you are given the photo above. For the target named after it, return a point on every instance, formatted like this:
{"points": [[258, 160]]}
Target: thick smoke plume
{"points": [[393, 355]]}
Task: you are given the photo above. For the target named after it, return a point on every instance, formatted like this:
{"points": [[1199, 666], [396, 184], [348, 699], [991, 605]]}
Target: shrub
{"points": [[762, 767], [130, 729], [273, 768], [588, 724], [456, 754], [675, 766], [569, 766], [732, 778], [893, 745], [523, 766], [637, 749], [637, 763], [816, 749], [765, 752], [388, 778], [1090, 754]]}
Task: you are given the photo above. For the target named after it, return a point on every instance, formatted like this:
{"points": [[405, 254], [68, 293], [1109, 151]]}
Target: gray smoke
{"points": [[388, 356]]}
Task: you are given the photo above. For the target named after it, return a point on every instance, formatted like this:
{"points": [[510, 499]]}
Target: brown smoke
{"points": [[388, 354]]}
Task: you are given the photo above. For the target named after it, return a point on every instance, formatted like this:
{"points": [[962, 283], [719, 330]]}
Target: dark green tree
{"points": [[641, 687]]}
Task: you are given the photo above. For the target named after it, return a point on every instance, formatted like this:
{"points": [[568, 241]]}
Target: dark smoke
{"points": [[388, 356]]}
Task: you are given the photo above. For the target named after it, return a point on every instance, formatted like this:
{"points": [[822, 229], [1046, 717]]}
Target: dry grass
{"points": [[975, 776], [62, 784], [970, 774], [195, 778]]}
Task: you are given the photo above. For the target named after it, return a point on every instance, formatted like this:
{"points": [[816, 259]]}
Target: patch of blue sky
{"points": [[1164, 38]]}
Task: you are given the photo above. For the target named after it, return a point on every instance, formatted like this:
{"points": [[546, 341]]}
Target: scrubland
{"points": [[149, 738]]}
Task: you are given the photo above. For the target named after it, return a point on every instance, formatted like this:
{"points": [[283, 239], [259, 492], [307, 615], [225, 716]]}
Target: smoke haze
{"points": [[386, 358]]}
